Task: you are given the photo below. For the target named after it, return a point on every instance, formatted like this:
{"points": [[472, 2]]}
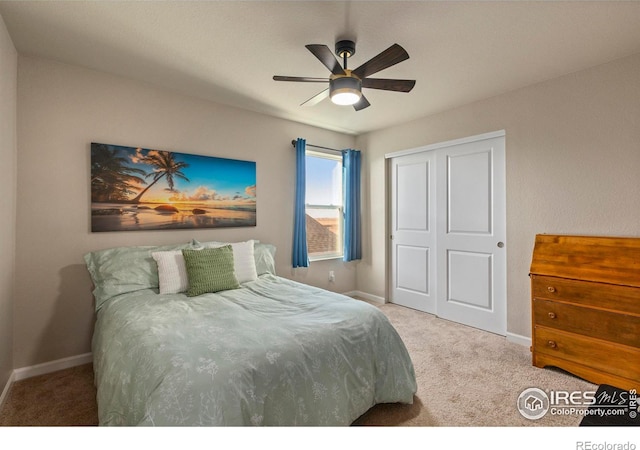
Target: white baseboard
{"points": [[518, 339], [511, 337], [5, 391], [51, 366], [364, 295]]}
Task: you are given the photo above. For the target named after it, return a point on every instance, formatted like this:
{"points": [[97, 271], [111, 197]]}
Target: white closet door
{"points": [[471, 232], [448, 230], [413, 231]]}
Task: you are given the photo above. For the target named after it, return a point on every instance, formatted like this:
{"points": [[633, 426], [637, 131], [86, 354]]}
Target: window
{"points": [[323, 205]]}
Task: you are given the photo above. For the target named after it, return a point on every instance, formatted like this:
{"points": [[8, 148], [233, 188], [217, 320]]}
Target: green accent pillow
{"points": [[210, 270]]}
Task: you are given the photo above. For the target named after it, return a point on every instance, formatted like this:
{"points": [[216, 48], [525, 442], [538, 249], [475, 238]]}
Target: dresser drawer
{"points": [[601, 295], [607, 357], [606, 325]]}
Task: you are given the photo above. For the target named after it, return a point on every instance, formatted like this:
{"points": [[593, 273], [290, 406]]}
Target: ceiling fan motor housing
{"points": [[345, 48]]}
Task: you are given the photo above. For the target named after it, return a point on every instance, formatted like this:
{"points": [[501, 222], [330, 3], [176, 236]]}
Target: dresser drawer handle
{"points": [[552, 344], [551, 289], [552, 315]]}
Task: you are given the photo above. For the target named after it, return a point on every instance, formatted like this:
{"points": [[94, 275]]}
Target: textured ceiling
{"points": [[228, 51]]}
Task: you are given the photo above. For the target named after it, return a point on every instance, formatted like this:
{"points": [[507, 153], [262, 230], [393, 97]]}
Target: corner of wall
{"points": [[5, 392], [8, 201]]}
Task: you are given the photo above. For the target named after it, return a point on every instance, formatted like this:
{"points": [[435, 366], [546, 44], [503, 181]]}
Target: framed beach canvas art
{"points": [[143, 189]]}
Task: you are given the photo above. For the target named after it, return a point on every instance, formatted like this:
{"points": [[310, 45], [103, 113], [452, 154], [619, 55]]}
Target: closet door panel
{"points": [[412, 234]]}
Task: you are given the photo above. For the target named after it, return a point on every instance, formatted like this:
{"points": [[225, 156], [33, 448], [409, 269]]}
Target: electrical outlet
{"points": [[332, 275]]}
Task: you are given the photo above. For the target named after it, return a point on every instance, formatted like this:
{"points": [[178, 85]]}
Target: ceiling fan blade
{"points": [[326, 57], [362, 104], [316, 98], [303, 79], [388, 84], [389, 57]]}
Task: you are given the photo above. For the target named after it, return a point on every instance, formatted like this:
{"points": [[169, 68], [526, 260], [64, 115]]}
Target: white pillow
{"points": [[244, 262], [172, 272]]}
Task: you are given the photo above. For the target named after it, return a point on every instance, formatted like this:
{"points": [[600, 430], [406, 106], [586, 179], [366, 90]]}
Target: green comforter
{"points": [[274, 352]]}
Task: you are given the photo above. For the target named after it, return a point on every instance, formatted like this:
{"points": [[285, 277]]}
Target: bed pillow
{"points": [[244, 262], [120, 270], [210, 270], [243, 258], [264, 254], [172, 272]]}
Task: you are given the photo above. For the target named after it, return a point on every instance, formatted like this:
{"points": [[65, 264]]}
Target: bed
{"points": [[271, 352]]}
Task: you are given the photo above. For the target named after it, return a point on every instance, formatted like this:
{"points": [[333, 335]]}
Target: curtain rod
{"points": [[293, 142]]}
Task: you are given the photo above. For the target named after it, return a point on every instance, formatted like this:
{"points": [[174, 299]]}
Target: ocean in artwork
{"points": [[144, 189]]}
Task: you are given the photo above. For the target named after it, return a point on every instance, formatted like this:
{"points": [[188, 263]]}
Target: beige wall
{"points": [[61, 110], [8, 93], [573, 167]]}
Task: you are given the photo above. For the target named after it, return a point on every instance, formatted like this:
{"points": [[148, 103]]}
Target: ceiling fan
{"points": [[345, 85]]}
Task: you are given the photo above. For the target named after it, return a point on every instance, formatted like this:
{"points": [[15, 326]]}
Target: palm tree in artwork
{"points": [[165, 165], [112, 179]]}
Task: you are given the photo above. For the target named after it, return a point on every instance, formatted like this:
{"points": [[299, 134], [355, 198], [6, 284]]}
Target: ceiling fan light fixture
{"points": [[345, 90]]}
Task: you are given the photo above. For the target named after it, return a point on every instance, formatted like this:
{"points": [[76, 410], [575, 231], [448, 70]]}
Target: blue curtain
{"points": [[300, 255], [352, 232]]}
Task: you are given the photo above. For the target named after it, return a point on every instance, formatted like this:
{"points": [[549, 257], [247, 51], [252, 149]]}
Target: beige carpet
{"points": [[466, 377], [64, 398]]}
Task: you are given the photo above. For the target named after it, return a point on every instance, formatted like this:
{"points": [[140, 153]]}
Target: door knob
{"points": [[500, 244]]}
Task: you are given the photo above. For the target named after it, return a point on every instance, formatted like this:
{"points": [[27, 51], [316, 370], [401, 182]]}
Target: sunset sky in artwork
{"points": [[211, 180]]}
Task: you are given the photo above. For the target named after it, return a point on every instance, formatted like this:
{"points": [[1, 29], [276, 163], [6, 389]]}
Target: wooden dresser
{"points": [[585, 297]]}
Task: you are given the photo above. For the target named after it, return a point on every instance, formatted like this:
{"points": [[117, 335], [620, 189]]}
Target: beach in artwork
{"points": [[141, 189]]}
